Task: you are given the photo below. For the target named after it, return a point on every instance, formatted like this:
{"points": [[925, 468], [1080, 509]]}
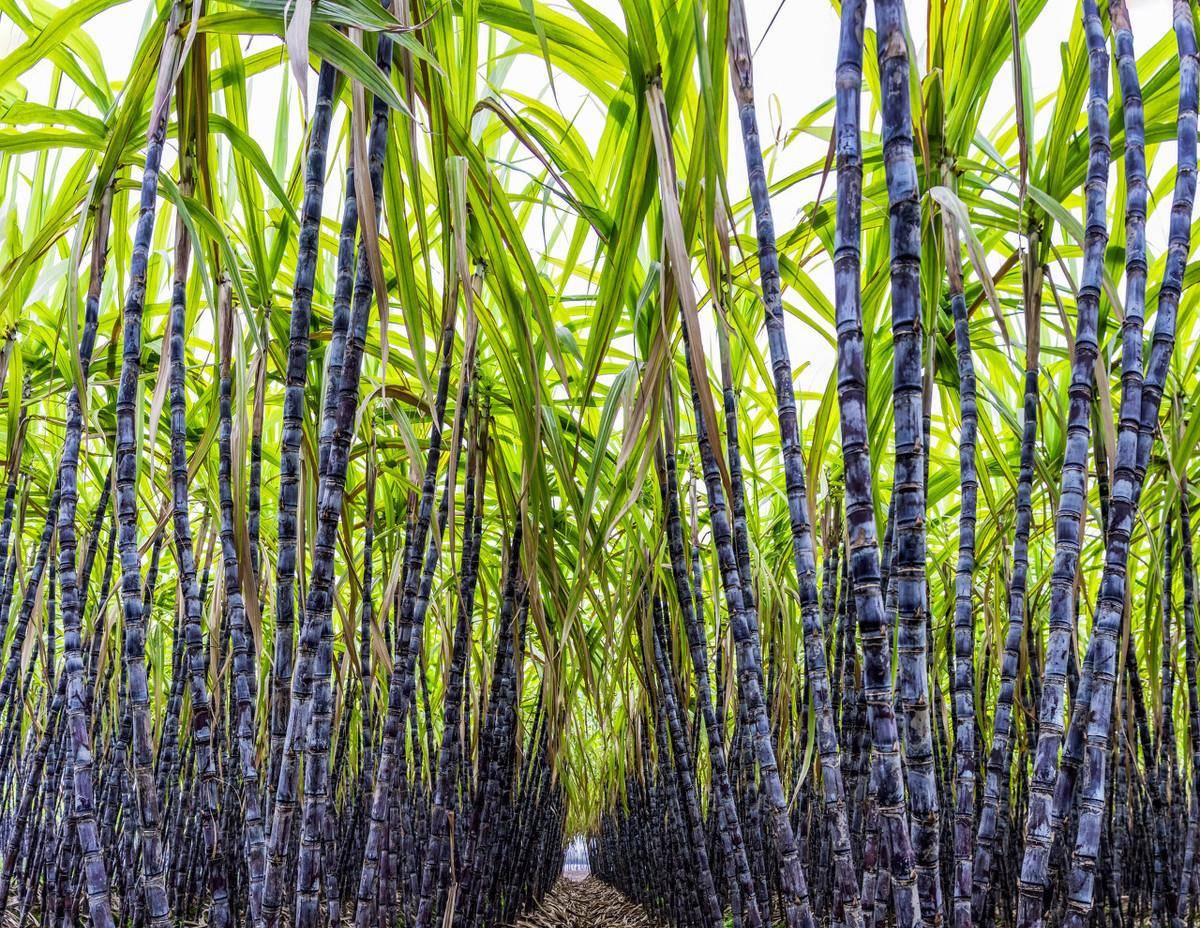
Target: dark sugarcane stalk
{"points": [[284, 754], [491, 754], [1179, 241], [50, 816], [750, 804], [462, 758], [310, 692], [855, 729], [411, 635], [329, 882], [795, 888], [862, 548], [501, 757], [1183, 901], [1165, 759], [666, 891], [663, 891], [167, 761], [1039, 832], [117, 745], [945, 721], [41, 840], [709, 907], [743, 617], [10, 495], [1155, 847], [1136, 411], [461, 762], [343, 294], [30, 790], [741, 70], [51, 633], [307, 249], [99, 516], [7, 591], [698, 603], [167, 740], [366, 626], [319, 603], [401, 685], [417, 654], [831, 571], [908, 566], [729, 826], [148, 805], [242, 726], [437, 860], [965, 760], [409, 807], [8, 543], [1165, 740], [1063, 808], [687, 906], [29, 600], [83, 809], [496, 745], [197, 668], [992, 811], [311, 873], [1179, 235], [254, 490], [737, 493], [121, 803], [1115, 865]]}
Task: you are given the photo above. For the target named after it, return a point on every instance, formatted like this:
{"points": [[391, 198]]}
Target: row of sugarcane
{"points": [[1067, 800], [354, 800]]}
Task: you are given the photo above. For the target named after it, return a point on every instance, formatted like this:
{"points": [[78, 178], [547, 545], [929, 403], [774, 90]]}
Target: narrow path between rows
{"points": [[586, 903]]}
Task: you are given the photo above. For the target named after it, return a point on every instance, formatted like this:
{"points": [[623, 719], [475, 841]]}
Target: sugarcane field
{"points": [[599, 464]]}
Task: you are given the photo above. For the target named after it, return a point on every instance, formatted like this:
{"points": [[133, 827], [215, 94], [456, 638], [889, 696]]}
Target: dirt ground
{"points": [[579, 900]]}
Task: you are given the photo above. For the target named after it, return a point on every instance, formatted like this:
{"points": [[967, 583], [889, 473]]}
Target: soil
{"points": [[586, 902]]}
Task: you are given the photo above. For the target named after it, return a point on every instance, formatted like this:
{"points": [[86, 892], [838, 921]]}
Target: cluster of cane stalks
{"points": [[915, 794], [246, 797], [392, 497]]}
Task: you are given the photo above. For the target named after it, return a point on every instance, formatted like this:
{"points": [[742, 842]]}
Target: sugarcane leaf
{"points": [[250, 150], [368, 220], [1075, 229], [55, 32], [324, 41], [296, 39], [949, 201]]}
